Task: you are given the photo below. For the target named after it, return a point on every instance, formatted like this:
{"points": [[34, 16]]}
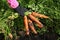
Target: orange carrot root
{"points": [[39, 15], [40, 25], [34, 19], [11, 36], [32, 26], [26, 25]]}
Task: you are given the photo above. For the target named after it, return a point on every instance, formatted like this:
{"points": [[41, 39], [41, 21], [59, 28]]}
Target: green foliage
{"points": [[10, 20]]}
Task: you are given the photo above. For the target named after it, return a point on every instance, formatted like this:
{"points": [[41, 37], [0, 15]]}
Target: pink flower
{"points": [[13, 3]]}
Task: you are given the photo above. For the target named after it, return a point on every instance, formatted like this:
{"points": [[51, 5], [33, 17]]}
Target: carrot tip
{"points": [[40, 26], [35, 32], [27, 33]]}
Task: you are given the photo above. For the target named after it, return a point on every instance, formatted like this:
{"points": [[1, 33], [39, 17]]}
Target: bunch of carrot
{"points": [[29, 22]]}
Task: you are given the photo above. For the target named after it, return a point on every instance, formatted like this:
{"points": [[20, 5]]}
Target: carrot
{"points": [[26, 25], [32, 26], [10, 36], [39, 15], [34, 19], [40, 25]]}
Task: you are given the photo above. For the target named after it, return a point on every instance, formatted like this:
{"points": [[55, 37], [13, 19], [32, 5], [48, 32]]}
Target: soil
{"points": [[46, 36], [1, 36]]}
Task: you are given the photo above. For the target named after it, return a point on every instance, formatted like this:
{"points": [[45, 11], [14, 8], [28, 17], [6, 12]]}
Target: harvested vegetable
{"points": [[34, 19], [32, 26], [39, 15], [10, 36], [40, 26], [26, 25]]}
